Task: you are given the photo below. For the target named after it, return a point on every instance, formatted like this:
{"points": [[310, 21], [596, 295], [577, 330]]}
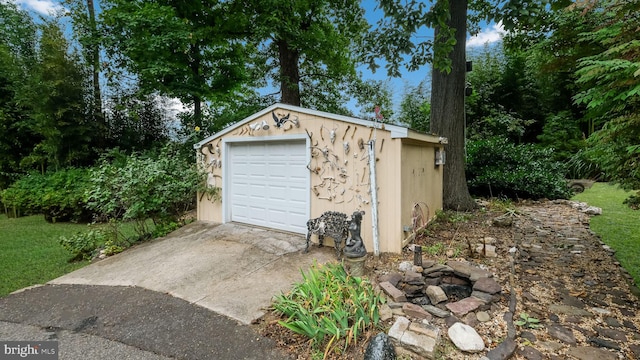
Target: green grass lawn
{"points": [[619, 225], [30, 253]]}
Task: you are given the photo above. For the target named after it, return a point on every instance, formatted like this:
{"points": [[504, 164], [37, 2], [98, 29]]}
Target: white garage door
{"points": [[269, 184]]}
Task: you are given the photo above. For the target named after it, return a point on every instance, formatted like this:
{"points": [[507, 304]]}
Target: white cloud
{"points": [[45, 7], [487, 36]]}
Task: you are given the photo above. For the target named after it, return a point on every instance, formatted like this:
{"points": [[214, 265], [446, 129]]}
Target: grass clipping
{"points": [[330, 307]]}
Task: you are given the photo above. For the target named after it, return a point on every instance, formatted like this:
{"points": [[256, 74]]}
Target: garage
{"points": [[269, 184], [285, 164]]}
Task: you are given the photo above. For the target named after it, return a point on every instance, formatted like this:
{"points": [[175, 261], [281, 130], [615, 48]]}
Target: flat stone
{"points": [[604, 343], [436, 294], [529, 336], [611, 334], [450, 320], [395, 305], [601, 311], [591, 353], [413, 278], [421, 300], [479, 274], [425, 329], [385, 312], [437, 268], [416, 311], [530, 353], [431, 281], [460, 268], [569, 310], [436, 311], [486, 250], [561, 333], [399, 327], [411, 290], [573, 319], [427, 263], [503, 351], [465, 338], [613, 322], [486, 298], [635, 349], [462, 307], [397, 312], [572, 301], [483, 316], [392, 277], [420, 344], [629, 325], [487, 285], [393, 292], [471, 320], [551, 346], [489, 240]]}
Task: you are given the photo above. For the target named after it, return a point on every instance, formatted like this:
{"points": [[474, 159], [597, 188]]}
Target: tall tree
{"points": [[447, 109], [447, 54], [57, 91], [194, 51], [83, 15], [311, 47], [17, 58], [610, 84]]}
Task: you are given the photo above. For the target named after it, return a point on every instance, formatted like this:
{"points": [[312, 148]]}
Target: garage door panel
{"points": [[269, 185]]}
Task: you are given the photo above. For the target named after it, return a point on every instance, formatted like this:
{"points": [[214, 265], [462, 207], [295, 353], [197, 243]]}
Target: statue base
{"points": [[355, 266]]}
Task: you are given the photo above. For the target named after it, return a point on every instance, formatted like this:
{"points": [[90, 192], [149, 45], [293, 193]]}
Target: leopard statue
{"points": [[332, 224]]}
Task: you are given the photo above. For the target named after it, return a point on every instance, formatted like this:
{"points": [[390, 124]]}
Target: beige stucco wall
{"points": [[340, 179], [421, 182]]}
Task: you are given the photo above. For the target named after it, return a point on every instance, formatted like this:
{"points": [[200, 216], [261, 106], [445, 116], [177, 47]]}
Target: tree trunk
{"points": [[95, 62], [448, 116], [194, 65], [289, 74]]}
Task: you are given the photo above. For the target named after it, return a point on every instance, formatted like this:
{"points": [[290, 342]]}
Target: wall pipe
{"points": [[374, 197]]}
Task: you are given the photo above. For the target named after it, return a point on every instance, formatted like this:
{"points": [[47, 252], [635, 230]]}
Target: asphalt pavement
{"points": [[115, 322]]}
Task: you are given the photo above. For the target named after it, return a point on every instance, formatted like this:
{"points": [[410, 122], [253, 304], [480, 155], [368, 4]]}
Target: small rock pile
{"points": [[450, 291]]}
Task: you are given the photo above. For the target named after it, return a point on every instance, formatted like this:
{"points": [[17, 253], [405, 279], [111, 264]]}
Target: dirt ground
{"points": [[557, 261]]}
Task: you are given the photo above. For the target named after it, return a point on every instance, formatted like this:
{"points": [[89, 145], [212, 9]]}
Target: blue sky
{"points": [[490, 33]]}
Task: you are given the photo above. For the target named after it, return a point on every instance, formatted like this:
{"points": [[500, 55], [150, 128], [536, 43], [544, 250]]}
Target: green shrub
{"points": [[329, 306], [84, 245], [139, 187], [633, 201], [497, 167], [60, 195]]}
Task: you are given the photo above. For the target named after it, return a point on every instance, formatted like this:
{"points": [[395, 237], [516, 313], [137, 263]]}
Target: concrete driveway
{"points": [[232, 269]]}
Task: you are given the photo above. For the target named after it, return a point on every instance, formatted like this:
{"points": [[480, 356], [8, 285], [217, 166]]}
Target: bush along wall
{"points": [[497, 167]]}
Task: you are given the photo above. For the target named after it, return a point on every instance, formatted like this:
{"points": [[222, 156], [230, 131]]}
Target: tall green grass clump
{"points": [[330, 307]]}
